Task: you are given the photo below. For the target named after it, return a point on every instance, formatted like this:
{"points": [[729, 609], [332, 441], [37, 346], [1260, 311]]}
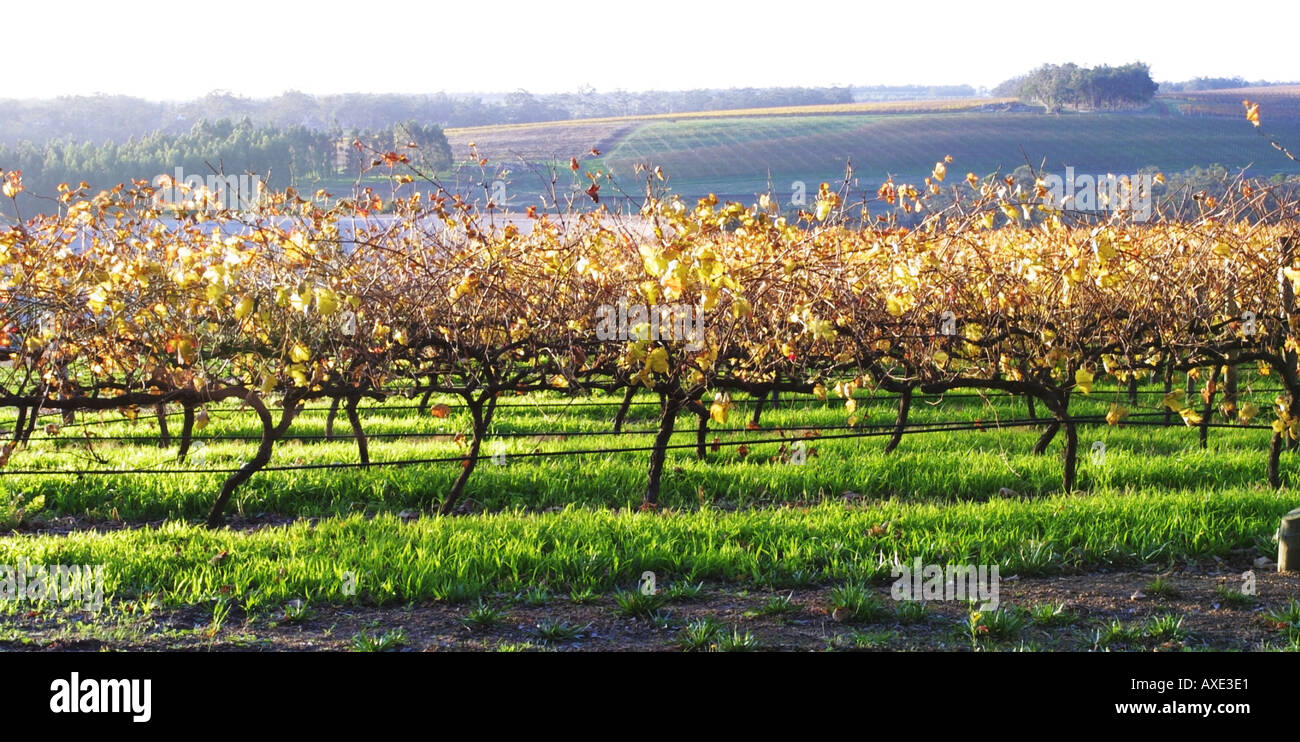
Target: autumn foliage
{"points": [[111, 305]]}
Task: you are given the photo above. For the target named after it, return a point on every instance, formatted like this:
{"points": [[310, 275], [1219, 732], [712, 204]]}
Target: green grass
{"points": [[389, 641], [1117, 632], [1165, 628], [534, 596], [855, 603], [295, 611], [699, 635], [507, 646], [1288, 614], [921, 470], [910, 611], [482, 617], [864, 640], [636, 604], [459, 559], [778, 605], [738, 641], [1161, 588], [1002, 624], [567, 526], [1047, 615], [1233, 598], [684, 592], [552, 630]]}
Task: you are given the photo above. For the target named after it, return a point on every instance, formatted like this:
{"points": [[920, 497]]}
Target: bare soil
{"points": [[1093, 601]]}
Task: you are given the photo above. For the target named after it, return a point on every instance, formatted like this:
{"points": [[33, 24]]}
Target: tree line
{"points": [[1198, 84], [280, 156], [1057, 86], [103, 117]]}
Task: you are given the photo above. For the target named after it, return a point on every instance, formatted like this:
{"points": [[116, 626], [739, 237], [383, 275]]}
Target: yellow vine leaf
{"points": [[1247, 412], [244, 307], [1252, 112], [894, 306], [1083, 379], [658, 360], [1116, 414], [720, 409], [1174, 401], [327, 302]]}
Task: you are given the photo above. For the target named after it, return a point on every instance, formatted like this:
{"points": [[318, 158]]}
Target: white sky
{"points": [[178, 50]]}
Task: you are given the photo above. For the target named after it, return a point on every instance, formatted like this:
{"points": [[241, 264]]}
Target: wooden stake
{"points": [[1288, 543]]}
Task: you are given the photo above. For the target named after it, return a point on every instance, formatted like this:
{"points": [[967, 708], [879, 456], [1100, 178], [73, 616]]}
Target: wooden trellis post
{"points": [[1288, 543]]}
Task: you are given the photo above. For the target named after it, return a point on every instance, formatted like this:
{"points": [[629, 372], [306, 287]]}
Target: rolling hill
{"points": [[736, 154]]}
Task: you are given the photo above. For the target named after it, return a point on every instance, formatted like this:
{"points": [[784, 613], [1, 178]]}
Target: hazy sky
{"points": [[177, 50]]}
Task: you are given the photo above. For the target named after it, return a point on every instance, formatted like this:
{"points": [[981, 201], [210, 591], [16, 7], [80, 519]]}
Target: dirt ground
{"points": [[1092, 601]]}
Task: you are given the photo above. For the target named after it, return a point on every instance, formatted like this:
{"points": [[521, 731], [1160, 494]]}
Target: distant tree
{"points": [[1203, 83], [291, 155], [1009, 88], [1051, 86], [1056, 86], [523, 107], [428, 138]]}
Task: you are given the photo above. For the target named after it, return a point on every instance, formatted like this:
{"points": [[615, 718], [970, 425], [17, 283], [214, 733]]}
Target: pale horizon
{"points": [[260, 50]]}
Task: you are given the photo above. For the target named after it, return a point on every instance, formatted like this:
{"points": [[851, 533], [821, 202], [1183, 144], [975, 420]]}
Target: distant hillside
{"points": [[1275, 102], [736, 154]]}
